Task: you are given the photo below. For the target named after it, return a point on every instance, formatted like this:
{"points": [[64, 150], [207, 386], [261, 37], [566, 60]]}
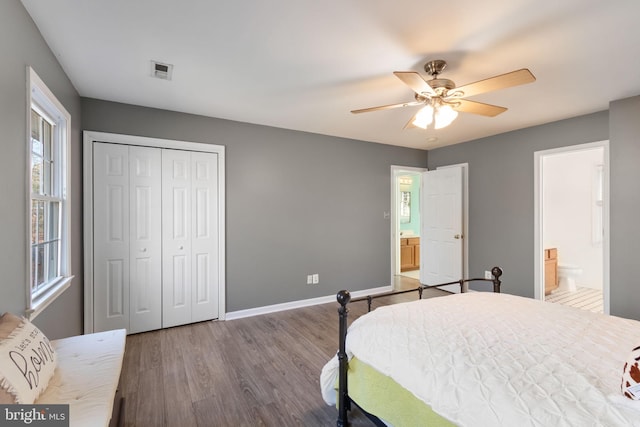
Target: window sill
{"points": [[43, 301]]}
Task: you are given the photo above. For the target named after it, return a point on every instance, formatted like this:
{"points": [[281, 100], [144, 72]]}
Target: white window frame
{"points": [[44, 102]]}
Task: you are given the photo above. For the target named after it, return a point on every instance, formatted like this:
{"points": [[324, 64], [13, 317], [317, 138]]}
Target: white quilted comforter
{"points": [[485, 359]]}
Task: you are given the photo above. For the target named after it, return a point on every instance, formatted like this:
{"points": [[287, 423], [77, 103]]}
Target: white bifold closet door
{"points": [[189, 237], [127, 238], [155, 237]]}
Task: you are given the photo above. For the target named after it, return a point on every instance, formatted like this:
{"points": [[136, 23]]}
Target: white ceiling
{"points": [[303, 65]]}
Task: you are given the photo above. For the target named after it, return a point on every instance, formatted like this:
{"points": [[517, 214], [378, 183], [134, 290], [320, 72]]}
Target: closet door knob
{"points": [[181, 247], [143, 250]]}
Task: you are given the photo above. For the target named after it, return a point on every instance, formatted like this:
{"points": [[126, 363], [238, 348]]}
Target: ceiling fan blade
{"points": [[410, 124], [502, 81], [415, 82], [474, 107], [387, 107]]}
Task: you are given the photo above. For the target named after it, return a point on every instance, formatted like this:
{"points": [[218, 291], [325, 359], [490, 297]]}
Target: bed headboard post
{"points": [[343, 298], [496, 272]]}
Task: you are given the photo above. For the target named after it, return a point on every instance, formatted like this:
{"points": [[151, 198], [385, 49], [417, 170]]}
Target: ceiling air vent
{"points": [[161, 70]]}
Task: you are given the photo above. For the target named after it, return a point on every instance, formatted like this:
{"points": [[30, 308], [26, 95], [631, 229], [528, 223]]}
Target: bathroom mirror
{"points": [[405, 207]]}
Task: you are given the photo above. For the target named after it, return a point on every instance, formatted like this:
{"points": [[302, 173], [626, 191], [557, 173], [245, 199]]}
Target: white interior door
{"points": [[111, 237], [204, 184], [176, 238], [441, 248], [145, 177]]}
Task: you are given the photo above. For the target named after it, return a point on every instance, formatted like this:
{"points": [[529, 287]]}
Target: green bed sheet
{"points": [[380, 395]]}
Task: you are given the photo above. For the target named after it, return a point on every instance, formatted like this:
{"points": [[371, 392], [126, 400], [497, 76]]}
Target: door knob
{"points": [[143, 250], [457, 236]]}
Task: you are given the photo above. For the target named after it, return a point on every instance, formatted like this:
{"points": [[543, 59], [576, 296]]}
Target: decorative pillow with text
{"points": [[27, 362], [631, 375]]}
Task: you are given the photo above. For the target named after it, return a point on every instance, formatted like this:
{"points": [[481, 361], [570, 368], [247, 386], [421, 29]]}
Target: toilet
{"points": [[567, 274]]}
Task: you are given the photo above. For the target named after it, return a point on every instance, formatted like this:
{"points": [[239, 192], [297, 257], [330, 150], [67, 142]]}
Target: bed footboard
{"points": [[344, 297], [343, 398]]}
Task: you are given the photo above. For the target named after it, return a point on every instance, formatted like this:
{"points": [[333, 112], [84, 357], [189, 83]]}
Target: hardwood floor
{"points": [[257, 371], [402, 282]]}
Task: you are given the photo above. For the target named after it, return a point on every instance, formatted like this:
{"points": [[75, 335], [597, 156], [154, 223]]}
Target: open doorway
{"points": [[405, 226], [571, 232]]}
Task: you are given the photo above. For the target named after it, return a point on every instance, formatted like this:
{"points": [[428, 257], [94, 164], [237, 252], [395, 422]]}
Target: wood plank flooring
{"points": [[257, 371]]}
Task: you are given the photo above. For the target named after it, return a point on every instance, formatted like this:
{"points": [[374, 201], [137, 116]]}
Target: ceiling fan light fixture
{"points": [[441, 99], [444, 116], [424, 117]]}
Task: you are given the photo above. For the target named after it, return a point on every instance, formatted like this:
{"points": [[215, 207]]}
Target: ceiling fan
{"points": [[442, 100]]}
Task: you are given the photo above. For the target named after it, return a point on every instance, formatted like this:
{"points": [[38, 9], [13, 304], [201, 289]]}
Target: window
{"points": [[49, 246]]}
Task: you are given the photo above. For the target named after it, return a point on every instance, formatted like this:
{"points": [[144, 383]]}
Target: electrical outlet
{"points": [[316, 279], [488, 275], [309, 279]]}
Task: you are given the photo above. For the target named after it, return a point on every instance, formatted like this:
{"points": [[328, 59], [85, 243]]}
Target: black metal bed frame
{"points": [[344, 297]]}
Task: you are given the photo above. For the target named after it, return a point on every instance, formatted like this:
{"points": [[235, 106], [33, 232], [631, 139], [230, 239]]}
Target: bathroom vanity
{"points": [[550, 270], [409, 253]]}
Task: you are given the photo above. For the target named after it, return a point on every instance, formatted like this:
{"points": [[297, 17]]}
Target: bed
{"points": [[483, 359]]}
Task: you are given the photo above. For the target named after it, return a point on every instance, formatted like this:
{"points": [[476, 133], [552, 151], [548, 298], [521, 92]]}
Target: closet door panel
{"points": [[145, 177], [204, 242], [111, 237], [179, 281], [176, 238]]}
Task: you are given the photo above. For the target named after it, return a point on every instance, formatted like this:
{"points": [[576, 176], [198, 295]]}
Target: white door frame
{"points": [[89, 138], [538, 292], [395, 200]]}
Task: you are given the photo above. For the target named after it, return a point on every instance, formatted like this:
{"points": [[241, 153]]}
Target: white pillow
{"points": [[27, 362]]}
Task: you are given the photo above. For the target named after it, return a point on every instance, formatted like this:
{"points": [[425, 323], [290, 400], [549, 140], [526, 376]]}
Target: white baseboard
{"points": [[302, 303]]}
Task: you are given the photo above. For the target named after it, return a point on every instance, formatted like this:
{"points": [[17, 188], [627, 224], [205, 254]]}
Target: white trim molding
{"points": [[240, 314]]}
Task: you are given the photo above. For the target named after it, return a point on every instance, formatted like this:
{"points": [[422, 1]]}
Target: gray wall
{"points": [[297, 203], [624, 132], [501, 196], [21, 45]]}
